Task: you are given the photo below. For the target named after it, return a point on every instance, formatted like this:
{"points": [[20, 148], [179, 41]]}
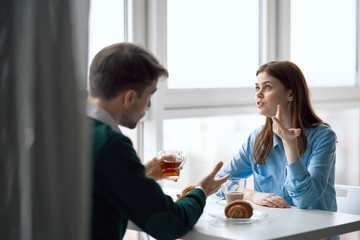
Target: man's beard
{"points": [[128, 123]]}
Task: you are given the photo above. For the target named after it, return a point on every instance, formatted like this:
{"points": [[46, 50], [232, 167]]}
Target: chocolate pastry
{"points": [[238, 209]]}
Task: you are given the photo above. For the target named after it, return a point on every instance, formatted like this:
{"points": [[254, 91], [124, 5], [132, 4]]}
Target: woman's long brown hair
{"points": [[302, 113]]}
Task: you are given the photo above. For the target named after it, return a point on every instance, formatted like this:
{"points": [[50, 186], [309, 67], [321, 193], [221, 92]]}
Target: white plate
{"points": [[257, 215]]}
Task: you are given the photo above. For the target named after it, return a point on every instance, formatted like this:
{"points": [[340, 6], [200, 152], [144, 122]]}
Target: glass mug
{"points": [[234, 189], [170, 166]]}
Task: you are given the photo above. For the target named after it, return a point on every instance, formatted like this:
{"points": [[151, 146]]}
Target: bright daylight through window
{"points": [[323, 41], [215, 46]]}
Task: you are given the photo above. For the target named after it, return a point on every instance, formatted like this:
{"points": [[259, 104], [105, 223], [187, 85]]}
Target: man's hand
{"points": [[153, 168], [211, 185]]}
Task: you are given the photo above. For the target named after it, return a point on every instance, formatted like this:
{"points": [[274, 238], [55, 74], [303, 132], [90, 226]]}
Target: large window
{"points": [[212, 50]]}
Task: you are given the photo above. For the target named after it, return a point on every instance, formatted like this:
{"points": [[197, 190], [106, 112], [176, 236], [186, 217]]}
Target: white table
{"points": [[289, 223]]}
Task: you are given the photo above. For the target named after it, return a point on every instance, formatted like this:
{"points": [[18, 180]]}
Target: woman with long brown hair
{"points": [[292, 156]]}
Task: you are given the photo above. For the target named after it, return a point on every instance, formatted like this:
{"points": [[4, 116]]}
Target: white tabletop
{"points": [[287, 223]]}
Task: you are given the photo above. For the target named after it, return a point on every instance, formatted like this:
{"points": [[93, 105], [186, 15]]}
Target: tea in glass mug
{"points": [[171, 163]]}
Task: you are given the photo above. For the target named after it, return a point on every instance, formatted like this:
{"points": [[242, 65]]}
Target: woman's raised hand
{"points": [[286, 134]]}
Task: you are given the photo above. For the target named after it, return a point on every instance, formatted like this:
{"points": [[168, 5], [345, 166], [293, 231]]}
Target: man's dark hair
{"points": [[123, 66]]}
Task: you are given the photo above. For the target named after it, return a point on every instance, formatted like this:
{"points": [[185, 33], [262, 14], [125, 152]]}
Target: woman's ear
{"points": [[290, 96], [129, 97]]}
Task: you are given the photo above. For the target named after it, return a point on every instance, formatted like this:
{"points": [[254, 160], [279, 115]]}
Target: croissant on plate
{"points": [[186, 191], [238, 209]]}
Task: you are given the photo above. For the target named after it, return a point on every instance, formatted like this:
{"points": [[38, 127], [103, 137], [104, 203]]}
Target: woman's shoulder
{"points": [[321, 130], [321, 127], [256, 131]]}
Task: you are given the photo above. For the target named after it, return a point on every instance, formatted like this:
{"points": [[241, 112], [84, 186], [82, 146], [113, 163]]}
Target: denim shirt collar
{"points": [[276, 141]]}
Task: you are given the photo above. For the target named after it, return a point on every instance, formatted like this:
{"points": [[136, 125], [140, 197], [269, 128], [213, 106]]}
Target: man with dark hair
{"points": [[123, 78]]}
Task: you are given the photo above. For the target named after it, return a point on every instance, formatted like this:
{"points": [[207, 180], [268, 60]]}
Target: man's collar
{"points": [[95, 111]]}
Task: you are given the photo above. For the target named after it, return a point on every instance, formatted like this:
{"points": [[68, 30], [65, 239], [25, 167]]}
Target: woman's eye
{"points": [[257, 89], [268, 87]]}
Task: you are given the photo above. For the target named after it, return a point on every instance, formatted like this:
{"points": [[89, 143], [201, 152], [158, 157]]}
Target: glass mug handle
{"points": [[182, 158]]}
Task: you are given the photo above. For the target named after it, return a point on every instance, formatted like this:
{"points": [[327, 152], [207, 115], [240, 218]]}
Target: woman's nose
{"points": [[259, 94]]}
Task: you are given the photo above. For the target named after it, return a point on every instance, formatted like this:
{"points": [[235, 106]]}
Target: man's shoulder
{"points": [[102, 130], [103, 135]]}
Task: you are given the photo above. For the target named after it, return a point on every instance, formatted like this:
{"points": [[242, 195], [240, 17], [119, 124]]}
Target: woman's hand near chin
{"points": [[288, 137]]}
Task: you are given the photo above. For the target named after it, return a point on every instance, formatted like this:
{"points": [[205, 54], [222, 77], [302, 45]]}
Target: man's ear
{"points": [[129, 97]]}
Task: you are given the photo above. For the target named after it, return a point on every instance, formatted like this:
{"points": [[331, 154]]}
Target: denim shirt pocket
{"points": [[262, 183]]}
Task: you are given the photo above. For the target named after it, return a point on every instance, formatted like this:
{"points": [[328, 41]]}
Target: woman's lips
{"points": [[259, 104]]}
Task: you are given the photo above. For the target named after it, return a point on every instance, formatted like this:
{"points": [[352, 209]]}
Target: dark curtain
{"points": [[44, 160]]}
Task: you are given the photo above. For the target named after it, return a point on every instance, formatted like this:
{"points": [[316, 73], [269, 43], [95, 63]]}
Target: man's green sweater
{"points": [[122, 191]]}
